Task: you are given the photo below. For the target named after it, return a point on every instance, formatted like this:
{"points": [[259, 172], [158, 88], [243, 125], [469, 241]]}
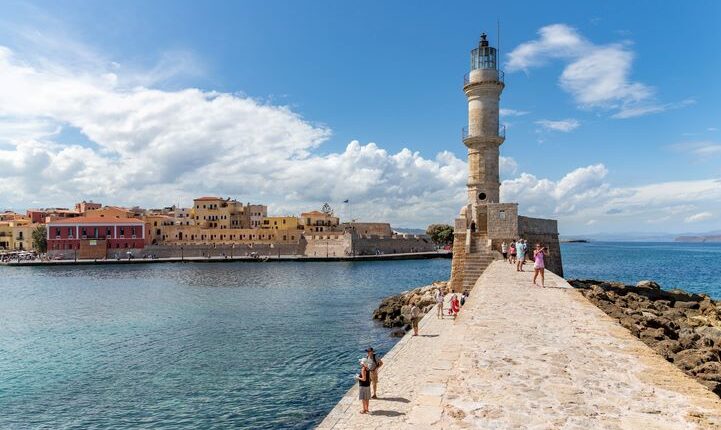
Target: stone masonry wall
{"points": [[545, 231], [459, 262]]}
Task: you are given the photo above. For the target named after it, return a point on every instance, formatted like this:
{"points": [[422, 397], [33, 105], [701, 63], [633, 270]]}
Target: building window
{"points": [[502, 214]]}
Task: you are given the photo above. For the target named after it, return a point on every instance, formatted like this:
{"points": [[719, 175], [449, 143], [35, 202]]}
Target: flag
{"points": [[345, 201]]}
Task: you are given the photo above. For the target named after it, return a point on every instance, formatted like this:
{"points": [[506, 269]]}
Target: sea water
{"points": [[689, 266]]}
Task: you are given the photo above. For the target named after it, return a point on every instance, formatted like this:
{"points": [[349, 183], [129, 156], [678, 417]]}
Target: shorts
{"points": [[521, 256], [539, 266], [414, 323], [505, 255], [374, 376], [364, 393]]}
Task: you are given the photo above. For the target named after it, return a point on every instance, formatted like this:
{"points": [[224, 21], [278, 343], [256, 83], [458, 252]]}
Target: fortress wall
{"points": [[330, 245], [545, 231], [174, 251], [368, 245]]}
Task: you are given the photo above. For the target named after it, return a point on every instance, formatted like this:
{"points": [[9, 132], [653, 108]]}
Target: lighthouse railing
{"points": [[501, 132], [467, 77]]}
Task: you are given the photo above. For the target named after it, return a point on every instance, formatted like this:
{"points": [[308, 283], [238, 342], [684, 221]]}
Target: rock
{"points": [[692, 358], [668, 348], [650, 335], [399, 332], [687, 337], [648, 285], [711, 333], [686, 305]]}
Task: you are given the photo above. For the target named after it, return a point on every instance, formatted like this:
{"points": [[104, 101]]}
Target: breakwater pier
{"points": [[520, 356]]}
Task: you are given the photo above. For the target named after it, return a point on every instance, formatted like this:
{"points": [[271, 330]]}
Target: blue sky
{"points": [[637, 151]]}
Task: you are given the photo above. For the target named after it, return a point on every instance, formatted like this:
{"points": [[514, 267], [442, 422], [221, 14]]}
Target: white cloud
{"points": [[597, 76], [564, 125], [504, 112], [701, 216], [701, 149]]}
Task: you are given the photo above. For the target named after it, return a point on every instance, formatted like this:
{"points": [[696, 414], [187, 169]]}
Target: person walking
{"points": [[512, 258], [463, 298], [504, 250], [440, 297], [539, 265], [455, 306], [374, 364], [521, 253], [364, 385], [415, 318]]}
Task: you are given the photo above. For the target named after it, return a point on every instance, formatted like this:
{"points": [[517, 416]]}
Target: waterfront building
{"points": [[42, 216], [280, 223], [484, 222], [95, 237], [114, 212], [217, 212], [378, 229], [317, 221], [83, 207]]}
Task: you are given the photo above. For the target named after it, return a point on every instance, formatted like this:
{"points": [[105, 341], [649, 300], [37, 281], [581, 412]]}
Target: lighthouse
{"points": [[485, 222], [484, 135]]}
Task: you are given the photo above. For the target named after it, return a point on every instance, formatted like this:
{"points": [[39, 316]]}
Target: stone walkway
{"points": [[523, 357]]}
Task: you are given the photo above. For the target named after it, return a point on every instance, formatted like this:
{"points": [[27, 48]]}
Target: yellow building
{"points": [[17, 234], [316, 221], [197, 235], [280, 223], [216, 212]]}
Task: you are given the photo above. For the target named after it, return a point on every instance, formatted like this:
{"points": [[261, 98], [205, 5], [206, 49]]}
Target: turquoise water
{"points": [[233, 345], [690, 266]]}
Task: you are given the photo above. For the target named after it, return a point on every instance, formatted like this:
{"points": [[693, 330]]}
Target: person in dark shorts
{"points": [[364, 385]]}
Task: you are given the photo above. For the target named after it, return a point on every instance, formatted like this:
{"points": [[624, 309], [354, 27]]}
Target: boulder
{"points": [[713, 334], [667, 348], [689, 359], [648, 285]]}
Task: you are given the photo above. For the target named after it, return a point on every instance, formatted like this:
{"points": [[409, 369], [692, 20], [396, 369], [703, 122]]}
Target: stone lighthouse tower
{"points": [[484, 223], [483, 136]]}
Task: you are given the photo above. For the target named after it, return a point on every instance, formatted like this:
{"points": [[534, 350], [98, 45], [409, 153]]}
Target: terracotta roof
{"points": [[312, 213], [97, 220]]}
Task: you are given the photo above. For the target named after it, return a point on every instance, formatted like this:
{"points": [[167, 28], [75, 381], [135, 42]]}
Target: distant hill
{"points": [[709, 237]]}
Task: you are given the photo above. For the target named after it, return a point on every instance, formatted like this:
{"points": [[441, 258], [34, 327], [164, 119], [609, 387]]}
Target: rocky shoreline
{"points": [[683, 327], [391, 310]]}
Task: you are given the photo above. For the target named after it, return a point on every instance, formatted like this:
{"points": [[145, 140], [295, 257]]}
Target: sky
{"points": [[612, 109]]}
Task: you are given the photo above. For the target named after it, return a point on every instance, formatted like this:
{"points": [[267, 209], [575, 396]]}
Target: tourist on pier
{"points": [[415, 318], [504, 250], [539, 264], [464, 295], [364, 385], [440, 297], [374, 364], [455, 306], [521, 253], [512, 258]]}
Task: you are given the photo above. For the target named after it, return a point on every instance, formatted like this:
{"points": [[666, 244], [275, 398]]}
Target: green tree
{"points": [[40, 238], [440, 234]]}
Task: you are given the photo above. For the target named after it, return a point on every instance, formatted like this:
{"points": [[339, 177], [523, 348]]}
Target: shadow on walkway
{"points": [[387, 413], [394, 399]]}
